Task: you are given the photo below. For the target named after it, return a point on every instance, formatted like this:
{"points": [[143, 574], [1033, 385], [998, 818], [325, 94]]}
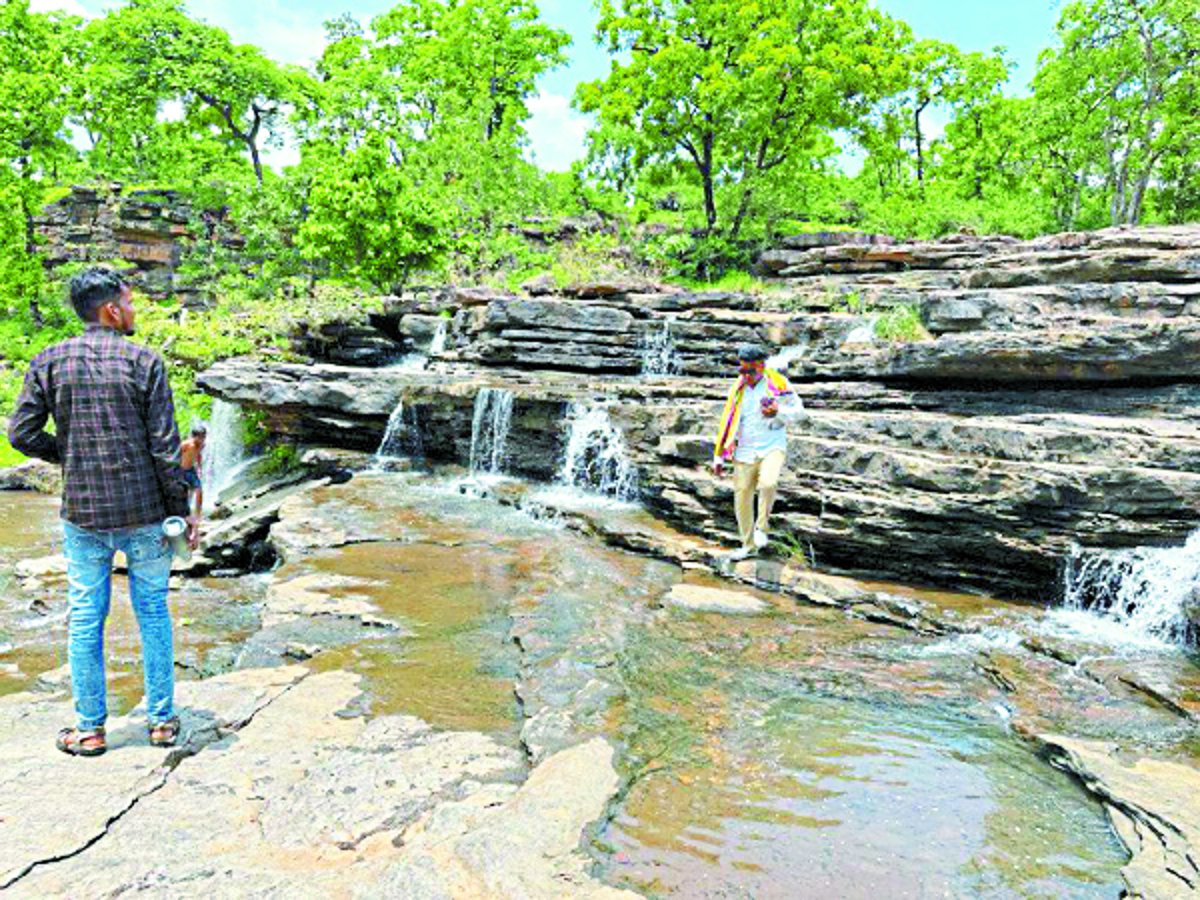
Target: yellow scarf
{"points": [[731, 417]]}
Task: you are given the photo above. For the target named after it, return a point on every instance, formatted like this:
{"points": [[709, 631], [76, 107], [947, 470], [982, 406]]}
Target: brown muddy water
{"points": [[799, 753]]}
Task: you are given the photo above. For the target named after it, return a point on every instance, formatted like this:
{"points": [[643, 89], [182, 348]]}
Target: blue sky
{"points": [[291, 31]]}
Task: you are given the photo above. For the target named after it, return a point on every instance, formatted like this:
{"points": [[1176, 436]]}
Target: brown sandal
{"points": [[80, 742], [164, 734]]}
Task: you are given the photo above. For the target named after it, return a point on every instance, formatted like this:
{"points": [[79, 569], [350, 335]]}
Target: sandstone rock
{"points": [[296, 801], [321, 595], [698, 598], [522, 845], [37, 778], [1154, 806], [49, 570], [56, 679], [1109, 353], [541, 286], [33, 475]]}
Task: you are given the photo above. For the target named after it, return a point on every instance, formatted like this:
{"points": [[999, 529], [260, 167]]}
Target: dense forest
{"points": [[721, 125]]}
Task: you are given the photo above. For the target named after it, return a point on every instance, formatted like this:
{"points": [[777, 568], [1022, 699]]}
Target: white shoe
{"points": [[741, 553], [760, 538]]}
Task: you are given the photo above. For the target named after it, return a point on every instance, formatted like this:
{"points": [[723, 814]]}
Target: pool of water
{"points": [[800, 753]]}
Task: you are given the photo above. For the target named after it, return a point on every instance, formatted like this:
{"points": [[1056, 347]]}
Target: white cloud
{"points": [[68, 6], [556, 132], [284, 34]]}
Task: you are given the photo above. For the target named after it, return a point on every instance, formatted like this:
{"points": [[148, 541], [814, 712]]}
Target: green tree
{"points": [[1117, 98], [151, 52], [435, 95], [736, 91], [35, 151], [367, 219]]}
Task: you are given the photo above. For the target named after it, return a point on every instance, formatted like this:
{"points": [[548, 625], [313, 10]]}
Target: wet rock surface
{"points": [[1052, 404], [652, 748]]}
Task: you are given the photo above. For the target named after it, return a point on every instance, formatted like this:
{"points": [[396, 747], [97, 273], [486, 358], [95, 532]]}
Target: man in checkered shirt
{"points": [[116, 440]]}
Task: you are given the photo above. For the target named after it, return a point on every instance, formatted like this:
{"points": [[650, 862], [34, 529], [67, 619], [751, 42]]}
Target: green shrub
{"points": [[901, 324]]}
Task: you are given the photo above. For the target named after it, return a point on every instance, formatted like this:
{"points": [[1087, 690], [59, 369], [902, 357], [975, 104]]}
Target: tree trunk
{"points": [[743, 208], [35, 311], [706, 175], [920, 147]]}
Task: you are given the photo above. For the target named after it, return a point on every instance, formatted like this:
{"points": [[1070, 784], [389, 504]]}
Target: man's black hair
{"points": [[752, 353], [199, 429], [92, 288]]}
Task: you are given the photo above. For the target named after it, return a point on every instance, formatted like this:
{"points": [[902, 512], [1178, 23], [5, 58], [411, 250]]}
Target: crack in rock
{"points": [[197, 740]]}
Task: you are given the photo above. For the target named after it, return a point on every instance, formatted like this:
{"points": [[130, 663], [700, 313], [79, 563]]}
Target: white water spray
{"points": [[658, 351], [863, 332], [418, 361], [402, 437], [785, 357], [489, 430], [437, 345], [224, 450], [1147, 591], [596, 458]]}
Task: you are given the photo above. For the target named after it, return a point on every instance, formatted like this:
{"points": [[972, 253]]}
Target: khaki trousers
{"points": [[761, 477]]}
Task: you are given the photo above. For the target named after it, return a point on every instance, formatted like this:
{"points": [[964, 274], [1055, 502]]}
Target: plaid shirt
{"points": [[116, 436]]}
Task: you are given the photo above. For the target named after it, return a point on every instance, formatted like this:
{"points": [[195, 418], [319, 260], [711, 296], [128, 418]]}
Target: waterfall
{"points": [[402, 437], [658, 351], [785, 357], [418, 361], [437, 345], [489, 430], [596, 458], [863, 331], [224, 450], [1146, 590]]}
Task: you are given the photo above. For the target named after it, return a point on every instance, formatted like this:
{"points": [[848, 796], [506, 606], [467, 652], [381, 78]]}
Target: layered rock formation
{"points": [[1054, 403], [145, 231]]}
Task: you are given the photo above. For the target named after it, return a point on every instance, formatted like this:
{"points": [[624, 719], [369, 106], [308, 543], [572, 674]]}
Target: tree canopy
{"points": [[727, 120]]}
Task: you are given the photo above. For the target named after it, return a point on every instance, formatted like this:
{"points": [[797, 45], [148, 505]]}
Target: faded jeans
{"points": [[89, 588]]}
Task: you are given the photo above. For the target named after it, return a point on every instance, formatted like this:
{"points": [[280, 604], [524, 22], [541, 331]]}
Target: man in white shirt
{"points": [[752, 434]]}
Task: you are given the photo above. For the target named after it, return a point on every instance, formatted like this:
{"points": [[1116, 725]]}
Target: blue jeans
{"points": [[89, 589]]}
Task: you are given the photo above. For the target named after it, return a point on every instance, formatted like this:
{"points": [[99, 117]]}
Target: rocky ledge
{"points": [[1052, 406]]}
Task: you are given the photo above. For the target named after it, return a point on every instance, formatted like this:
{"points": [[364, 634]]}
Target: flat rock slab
{"points": [[1154, 806], [52, 806], [522, 843], [708, 599], [321, 594], [278, 793]]}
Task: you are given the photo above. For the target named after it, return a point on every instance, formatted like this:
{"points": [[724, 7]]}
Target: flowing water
{"points": [[418, 361], [225, 455], [799, 753], [402, 436], [596, 459], [489, 430], [658, 351], [1144, 593]]}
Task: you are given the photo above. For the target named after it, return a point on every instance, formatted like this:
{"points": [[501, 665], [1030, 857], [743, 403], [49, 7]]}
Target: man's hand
{"points": [[193, 532], [770, 409], [718, 468]]}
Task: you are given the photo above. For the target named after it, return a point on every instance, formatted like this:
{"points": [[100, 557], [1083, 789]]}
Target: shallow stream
{"points": [[801, 752]]}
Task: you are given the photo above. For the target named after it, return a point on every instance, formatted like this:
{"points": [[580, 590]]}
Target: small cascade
{"points": [[402, 437], [863, 331], [225, 454], [437, 345], [597, 459], [658, 351], [786, 356], [418, 361], [1147, 591], [489, 430]]}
